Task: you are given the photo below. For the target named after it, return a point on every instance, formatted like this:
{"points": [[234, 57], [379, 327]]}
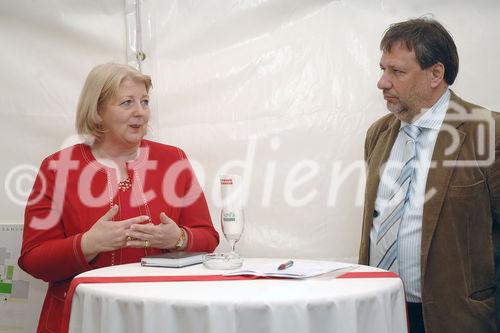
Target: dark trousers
{"points": [[497, 282], [415, 318]]}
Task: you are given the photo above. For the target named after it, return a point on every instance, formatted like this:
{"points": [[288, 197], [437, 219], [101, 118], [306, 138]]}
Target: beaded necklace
{"points": [[124, 186]]}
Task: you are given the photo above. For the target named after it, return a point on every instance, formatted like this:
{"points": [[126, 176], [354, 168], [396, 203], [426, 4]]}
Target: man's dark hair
{"points": [[430, 42]]}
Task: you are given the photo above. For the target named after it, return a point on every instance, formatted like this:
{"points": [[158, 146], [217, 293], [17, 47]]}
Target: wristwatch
{"points": [[182, 240]]}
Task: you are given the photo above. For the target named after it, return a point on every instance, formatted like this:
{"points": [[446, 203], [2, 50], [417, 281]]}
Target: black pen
{"points": [[285, 265]]}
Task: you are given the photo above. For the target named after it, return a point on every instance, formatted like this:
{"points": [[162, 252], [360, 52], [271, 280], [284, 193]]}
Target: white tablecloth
{"points": [[320, 304]]}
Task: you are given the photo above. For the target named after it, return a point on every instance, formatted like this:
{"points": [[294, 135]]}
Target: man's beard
{"points": [[399, 108], [401, 111]]}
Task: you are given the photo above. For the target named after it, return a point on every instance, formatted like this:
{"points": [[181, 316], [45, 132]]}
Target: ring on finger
{"points": [[146, 243], [129, 238]]}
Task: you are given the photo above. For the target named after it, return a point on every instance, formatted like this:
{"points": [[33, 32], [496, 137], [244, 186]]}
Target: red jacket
{"points": [[72, 191]]}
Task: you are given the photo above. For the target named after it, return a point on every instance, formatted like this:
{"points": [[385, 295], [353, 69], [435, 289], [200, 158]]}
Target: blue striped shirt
{"points": [[410, 229]]}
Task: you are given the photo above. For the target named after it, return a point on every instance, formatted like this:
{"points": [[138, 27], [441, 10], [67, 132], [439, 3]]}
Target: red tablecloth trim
{"points": [[355, 275], [121, 279]]}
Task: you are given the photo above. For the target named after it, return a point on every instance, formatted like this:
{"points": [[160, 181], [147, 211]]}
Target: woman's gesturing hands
{"points": [[163, 236], [106, 234]]}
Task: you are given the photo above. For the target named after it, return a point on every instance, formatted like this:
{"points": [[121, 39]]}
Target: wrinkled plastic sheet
{"points": [[280, 91]]}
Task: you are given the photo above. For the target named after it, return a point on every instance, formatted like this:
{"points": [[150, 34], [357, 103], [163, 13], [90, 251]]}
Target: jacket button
{"points": [[64, 295]]}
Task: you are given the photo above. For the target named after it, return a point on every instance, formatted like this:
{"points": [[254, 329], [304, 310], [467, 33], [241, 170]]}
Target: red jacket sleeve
{"points": [[195, 216], [48, 251]]}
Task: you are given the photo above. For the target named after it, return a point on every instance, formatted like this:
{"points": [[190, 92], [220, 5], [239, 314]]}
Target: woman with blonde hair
{"points": [[113, 200]]}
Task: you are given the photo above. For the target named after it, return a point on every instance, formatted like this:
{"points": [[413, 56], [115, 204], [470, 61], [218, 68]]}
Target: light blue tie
{"points": [[385, 250]]}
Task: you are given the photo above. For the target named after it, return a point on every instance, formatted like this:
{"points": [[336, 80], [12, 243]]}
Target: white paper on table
{"points": [[299, 270]]}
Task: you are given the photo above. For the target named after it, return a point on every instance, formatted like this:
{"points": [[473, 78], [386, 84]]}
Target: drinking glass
{"points": [[232, 219], [232, 222]]}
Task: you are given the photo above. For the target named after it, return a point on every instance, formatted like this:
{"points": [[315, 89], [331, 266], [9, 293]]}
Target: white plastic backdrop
{"points": [[281, 91]]}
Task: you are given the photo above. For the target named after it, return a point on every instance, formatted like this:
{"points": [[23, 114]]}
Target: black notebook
{"points": [[173, 259]]}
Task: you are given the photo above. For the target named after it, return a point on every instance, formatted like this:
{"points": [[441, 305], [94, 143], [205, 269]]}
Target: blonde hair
{"points": [[101, 86]]}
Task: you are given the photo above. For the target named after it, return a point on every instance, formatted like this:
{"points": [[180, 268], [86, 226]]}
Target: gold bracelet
{"points": [[182, 239]]}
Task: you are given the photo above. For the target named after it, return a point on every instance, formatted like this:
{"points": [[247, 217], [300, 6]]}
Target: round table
{"points": [[319, 304]]}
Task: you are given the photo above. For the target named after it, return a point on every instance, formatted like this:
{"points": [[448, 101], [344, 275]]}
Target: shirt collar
{"points": [[433, 118]]}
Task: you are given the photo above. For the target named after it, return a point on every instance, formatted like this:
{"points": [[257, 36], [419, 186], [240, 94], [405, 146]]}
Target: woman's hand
{"points": [[106, 234], [163, 236]]}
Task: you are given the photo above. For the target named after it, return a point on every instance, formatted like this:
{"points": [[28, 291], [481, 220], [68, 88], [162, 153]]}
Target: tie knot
{"points": [[412, 131]]}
